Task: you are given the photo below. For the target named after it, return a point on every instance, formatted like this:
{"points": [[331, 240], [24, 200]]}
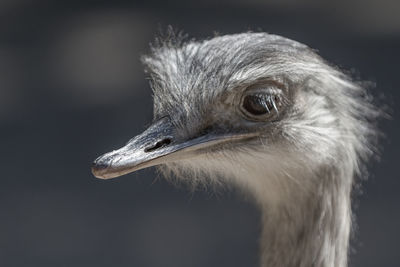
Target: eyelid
{"points": [[263, 91], [266, 85], [234, 94]]}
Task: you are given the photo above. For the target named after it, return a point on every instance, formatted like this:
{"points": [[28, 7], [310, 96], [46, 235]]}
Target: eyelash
{"points": [[269, 99]]}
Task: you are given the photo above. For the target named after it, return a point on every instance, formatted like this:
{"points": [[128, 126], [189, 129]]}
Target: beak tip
{"points": [[99, 169]]}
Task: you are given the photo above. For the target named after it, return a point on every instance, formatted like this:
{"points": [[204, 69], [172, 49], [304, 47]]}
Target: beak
{"points": [[156, 145]]}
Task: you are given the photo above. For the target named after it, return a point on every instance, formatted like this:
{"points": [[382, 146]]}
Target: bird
{"points": [[269, 116]]}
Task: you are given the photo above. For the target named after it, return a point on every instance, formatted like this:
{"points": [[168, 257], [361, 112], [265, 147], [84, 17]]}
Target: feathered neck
{"points": [[308, 226], [306, 207]]}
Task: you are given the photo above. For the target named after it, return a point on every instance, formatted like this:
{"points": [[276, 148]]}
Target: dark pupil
{"points": [[257, 105]]}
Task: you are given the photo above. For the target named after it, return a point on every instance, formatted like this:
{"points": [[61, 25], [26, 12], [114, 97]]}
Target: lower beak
{"points": [[156, 145]]}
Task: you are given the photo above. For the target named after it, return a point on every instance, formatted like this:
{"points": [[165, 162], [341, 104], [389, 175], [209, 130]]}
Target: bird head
{"points": [[249, 107]]}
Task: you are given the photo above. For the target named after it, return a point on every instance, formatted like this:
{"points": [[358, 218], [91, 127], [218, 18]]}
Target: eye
{"points": [[258, 104], [261, 104]]}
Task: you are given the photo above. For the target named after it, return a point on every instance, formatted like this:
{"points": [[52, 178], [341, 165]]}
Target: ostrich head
{"points": [[269, 115]]}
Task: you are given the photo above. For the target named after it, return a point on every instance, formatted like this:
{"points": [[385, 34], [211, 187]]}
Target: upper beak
{"points": [[156, 145]]}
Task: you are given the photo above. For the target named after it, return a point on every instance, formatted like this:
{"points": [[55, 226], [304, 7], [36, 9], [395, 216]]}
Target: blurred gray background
{"points": [[72, 87]]}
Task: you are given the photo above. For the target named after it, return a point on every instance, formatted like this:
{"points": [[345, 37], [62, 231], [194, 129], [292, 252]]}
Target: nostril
{"points": [[159, 144], [97, 164]]}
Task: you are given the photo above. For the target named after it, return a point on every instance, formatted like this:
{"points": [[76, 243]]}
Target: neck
{"points": [[307, 226], [306, 214]]}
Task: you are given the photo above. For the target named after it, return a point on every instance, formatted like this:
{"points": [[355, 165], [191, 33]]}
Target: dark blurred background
{"points": [[72, 87]]}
